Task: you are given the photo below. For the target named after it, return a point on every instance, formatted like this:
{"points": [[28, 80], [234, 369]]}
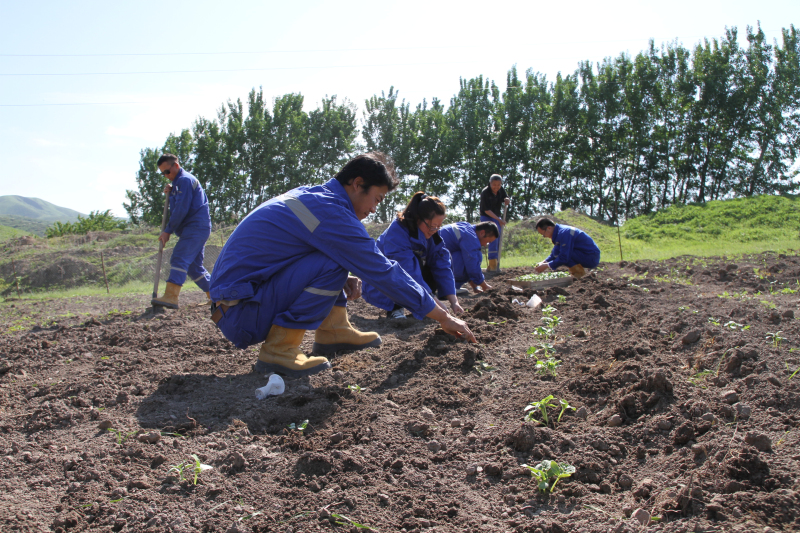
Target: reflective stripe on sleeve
{"points": [[322, 292], [303, 213], [457, 232]]}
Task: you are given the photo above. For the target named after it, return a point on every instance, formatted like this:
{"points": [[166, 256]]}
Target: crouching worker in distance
{"points": [[189, 219], [412, 240], [464, 241], [284, 270], [572, 248]]}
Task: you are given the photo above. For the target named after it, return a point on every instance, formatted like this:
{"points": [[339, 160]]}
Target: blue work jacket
{"points": [[188, 205], [460, 238], [572, 246], [411, 252], [281, 231]]}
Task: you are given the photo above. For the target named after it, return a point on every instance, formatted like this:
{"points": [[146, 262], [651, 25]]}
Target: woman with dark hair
{"points": [[413, 241]]}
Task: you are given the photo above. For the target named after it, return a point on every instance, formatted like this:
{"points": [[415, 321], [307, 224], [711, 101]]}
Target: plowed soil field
{"points": [[680, 375]]}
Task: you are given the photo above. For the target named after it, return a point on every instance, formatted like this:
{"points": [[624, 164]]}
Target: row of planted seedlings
{"points": [[547, 473]]}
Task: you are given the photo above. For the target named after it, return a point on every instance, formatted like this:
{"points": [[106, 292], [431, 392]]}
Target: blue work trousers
{"points": [[187, 258], [294, 298], [460, 274], [494, 246]]}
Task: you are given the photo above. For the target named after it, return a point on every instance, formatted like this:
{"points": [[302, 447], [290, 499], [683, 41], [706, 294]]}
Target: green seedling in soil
{"points": [[298, 427], [775, 339], [562, 298], [482, 366], [735, 326], [782, 439], [121, 437], [356, 388], [768, 304], [199, 467], [249, 516], [564, 406], [548, 366], [635, 286], [185, 466], [714, 321], [793, 373], [545, 348], [338, 518], [787, 290], [180, 468], [543, 332], [548, 310], [542, 406], [497, 323], [700, 376], [551, 322], [549, 470]]}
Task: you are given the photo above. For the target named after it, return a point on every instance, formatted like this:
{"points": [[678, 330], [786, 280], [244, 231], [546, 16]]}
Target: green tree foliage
{"points": [[96, 221], [629, 135]]}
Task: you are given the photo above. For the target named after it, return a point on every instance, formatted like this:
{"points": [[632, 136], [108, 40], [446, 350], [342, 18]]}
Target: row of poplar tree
{"points": [[621, 138]]}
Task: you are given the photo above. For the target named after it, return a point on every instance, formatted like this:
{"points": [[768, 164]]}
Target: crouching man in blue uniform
{"points": [[571, 248], [464, 241], [284, 270], [190, 221]]}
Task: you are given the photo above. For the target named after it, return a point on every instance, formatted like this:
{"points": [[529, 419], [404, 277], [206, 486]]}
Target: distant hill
{"points": [[25, 224], [36, 209], [33, 215]]}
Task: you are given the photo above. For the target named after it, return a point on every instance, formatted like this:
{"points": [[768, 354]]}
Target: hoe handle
{"points": [[500, 240], [160, 248]]}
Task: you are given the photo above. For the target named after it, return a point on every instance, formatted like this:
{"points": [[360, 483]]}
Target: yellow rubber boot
{"points": [[281, 354], [170, 298], [492, 265], [337, 334], [577, 271]]}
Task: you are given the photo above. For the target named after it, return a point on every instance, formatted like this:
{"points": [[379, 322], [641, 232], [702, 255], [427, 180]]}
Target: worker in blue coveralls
{"points": [[412, 239], [284, 270], [190, 221], [493, 198], [464, 241], [572, 248]]}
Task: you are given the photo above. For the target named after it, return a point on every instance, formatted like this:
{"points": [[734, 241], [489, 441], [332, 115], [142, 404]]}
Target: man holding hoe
{"points": [[571, 248], [493, 198], [189, 219], [284, 270]]}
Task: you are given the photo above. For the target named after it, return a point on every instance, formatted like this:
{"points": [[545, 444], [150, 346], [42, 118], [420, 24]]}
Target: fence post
{"points": [[16, 279], [103, 262]]}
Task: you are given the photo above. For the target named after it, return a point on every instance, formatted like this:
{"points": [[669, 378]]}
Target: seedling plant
{"points": [[188, 466], [541, 406], [298, 427], [548, 366], [775, 338], [548, 473], [339, 519], [121, 437]]}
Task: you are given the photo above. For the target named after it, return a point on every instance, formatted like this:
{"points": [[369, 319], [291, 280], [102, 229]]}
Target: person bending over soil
{"points": [[284, 270], [572, 248]]}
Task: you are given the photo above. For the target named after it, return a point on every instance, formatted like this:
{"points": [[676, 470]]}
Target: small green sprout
{"points": [[549, 470], [542, 406], [121, 437], [775, 338], [185, 466], [356, 388], [548, 310], [561, 298], [483, 366], [298, 427], [564, 406], [735, 326], [548, 366], [338, 519], [714, 321]]}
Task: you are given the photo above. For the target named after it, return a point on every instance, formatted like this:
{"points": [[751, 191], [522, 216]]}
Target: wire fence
{"points": [[102, 260]]}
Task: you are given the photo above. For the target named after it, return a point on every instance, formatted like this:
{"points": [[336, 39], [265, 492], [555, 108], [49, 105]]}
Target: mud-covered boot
{"points": [[281, 354], [337, 334], [492, 265], [577, 271], [170, 298]]}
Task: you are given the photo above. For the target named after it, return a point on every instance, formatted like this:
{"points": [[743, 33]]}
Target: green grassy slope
{"points": [[25, 224], [7, 233], [725, 227]]}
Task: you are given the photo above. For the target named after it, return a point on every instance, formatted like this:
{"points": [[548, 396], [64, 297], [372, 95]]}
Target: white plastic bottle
{"points": [[274, 387]]}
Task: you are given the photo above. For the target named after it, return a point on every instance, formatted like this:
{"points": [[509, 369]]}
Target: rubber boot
{"points": [[170, 298], [577, 271], [281, 354], [492, 265], [207, 302], [336, 334]]}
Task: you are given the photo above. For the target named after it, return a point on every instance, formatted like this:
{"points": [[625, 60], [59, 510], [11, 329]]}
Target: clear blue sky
{"points": [[160, 65]]}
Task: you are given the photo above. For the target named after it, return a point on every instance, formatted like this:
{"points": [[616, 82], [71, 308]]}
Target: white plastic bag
{"points": [[274, 387]]}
